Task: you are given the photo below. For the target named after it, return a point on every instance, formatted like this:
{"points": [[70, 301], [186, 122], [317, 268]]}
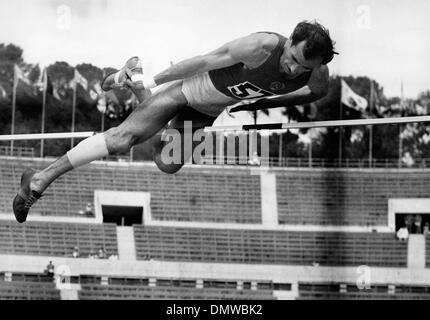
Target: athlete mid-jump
{"points": [[290, 71]]}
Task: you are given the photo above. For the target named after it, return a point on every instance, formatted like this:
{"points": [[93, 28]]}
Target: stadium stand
{"points": [[269, 247], [427, 245], [28, 290], [354, 197], [56, 239], [31, 277], [179, 197], [345, 197], [17, 151], [336, 291], [335, 197]]}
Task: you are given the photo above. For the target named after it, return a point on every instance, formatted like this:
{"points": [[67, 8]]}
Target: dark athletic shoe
{"points": [[25, 197]]}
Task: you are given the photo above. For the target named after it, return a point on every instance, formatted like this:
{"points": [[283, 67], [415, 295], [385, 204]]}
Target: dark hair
{"points": [[318, 42]]}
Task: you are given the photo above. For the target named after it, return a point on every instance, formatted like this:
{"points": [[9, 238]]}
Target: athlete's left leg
{"points": [[198, 121]]}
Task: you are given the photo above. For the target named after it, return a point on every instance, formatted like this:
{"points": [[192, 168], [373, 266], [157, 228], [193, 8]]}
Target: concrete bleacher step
{"points": [[56, 239], [344, 197], [262, 246], [416, 251], [126, 245], [71, 293]]}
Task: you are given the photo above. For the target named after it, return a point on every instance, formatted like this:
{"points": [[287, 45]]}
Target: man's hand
{"points": [[298, 97], [251, 105]]}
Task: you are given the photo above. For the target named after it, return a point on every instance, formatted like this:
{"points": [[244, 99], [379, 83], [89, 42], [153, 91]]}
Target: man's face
{"points": [[294, 63]]}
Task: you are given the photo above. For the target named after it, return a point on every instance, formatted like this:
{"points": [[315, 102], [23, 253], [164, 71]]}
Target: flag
{"points": [[28, 90], [310, 111], [18, 74], [55, 92], [96, 91], [24, 90], [3, 93], [118, 103], [420, 110], [101, 104], [93, 94], [111, 96], [351, 99], [98, 88], [78, 78], [47, 83]]}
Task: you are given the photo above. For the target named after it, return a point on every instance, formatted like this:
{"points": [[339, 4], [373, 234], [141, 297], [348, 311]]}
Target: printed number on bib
{"points": [[247, 90]]}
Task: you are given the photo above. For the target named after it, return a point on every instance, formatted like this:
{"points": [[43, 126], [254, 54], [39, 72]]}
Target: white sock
{"points": [[137, 77], [90, 149], [147, 81]]}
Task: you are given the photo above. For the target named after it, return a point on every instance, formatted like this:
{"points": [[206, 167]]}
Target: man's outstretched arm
{"points": [[316, 88], [249, 50]]}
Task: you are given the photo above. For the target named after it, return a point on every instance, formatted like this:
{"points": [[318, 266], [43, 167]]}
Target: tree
{"points": [[11, 53]]}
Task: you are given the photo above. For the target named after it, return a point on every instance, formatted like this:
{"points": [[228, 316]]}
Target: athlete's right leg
{"points": [[145, 121], [197, 120]]}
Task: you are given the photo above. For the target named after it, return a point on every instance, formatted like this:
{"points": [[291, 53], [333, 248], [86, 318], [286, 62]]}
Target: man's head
{"points": [[310, 46]]}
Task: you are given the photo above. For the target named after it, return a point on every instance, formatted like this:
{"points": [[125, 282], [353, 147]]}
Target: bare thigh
{"points": [[149, 117]]}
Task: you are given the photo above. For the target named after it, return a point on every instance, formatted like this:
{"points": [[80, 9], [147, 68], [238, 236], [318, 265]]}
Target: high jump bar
{"points": [[246, 127], [320, 124], [46, 136]]}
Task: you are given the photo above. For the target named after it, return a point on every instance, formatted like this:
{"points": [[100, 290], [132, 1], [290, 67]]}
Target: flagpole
{"points": [[371, 127], [104, 112], [45, 84], [400, 126], [12, 128], [73, 113], [280, 149], [340, 118], [103, 122], [310, 148], [400, 144]]}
